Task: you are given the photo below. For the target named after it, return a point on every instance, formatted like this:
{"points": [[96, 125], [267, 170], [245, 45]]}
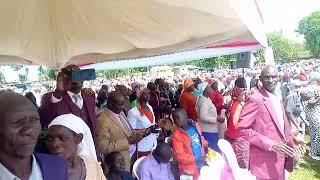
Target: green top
{"points": [[134, 103], [196, 93]]}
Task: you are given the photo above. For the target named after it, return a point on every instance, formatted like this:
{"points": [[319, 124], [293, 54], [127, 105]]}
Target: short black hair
{"points": [[162, 148], [151, 86], [240, 83], [109, 159], [215, 85], [112, 96]]}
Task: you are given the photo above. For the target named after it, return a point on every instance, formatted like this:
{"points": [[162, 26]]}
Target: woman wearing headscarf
{"points": [[70, 138], [240, 146], [208, 117], [311, 101], [188, 99], [142, 117]]}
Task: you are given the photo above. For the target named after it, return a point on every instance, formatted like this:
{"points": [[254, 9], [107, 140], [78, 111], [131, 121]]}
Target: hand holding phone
{"points": [[83, 75], [155, 129]]}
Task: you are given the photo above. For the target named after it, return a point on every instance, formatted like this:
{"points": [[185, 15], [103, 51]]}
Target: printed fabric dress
{"points": [[313, 116]]}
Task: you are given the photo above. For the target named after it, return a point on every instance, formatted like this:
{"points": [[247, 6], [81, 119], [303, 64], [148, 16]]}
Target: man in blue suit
{"points": [[19, 131]]}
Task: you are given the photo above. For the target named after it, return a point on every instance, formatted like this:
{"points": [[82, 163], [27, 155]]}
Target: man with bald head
{"points": [[69, 97], [264, 124], [113, 132], [19, 131]]}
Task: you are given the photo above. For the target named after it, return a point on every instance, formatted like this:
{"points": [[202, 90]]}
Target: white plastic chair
{"points": [[228, 153], [231, 160], [135, 167]]}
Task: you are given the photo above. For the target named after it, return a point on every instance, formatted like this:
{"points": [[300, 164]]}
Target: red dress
{"points": [[232, 131], [239, 145]]}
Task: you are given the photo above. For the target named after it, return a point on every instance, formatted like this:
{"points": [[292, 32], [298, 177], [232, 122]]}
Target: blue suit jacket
{"points": [[52, 167]]}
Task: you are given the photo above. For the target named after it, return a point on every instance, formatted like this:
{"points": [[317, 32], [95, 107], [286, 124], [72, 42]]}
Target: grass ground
{"points": [[309, 169]]}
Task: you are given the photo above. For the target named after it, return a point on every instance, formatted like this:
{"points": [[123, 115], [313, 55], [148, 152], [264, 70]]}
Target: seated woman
{"points": [[116, 164], [70, 138]]}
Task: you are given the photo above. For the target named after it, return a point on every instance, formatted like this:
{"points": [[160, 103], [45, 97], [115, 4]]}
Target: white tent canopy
{"points": [[59, 32]]}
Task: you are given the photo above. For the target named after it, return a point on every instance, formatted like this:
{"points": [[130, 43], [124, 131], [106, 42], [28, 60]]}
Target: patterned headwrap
{"points": [[236, 92]]}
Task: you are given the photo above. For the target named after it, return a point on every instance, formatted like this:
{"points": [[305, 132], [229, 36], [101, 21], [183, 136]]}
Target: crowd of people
{"points": [[167, 125]]}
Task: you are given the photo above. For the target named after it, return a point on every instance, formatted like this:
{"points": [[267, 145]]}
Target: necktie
{"points": [[124, 123], [77, 100]]}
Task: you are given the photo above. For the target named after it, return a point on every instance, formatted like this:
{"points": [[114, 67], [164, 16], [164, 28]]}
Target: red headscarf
{"points": [[236, 92]]}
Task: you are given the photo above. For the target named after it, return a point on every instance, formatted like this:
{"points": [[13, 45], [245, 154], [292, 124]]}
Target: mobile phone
{"points": [[83, 75]]}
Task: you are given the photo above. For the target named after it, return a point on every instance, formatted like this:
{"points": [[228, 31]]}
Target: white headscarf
{"points": [[86, 148], [202, 87]]}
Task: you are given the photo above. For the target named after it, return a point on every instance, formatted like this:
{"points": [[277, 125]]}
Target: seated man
{"points": [[188, 144], [156, 165], [19, 131]]}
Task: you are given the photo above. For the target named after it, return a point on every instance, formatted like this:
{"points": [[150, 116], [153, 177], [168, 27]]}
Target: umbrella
{"points": [[59, 32]]}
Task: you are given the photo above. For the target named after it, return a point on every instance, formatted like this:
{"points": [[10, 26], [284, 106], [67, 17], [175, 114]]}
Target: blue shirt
{"points": [[196, 144]]}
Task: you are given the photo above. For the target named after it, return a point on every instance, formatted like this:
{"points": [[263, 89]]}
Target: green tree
{"points": [[310, 27], [22, 78], [214, 61], [284, 50], [52, 74], [16, 67], [114, 73], [46, 74], [2, 78], [259, 55], [42, 73]]}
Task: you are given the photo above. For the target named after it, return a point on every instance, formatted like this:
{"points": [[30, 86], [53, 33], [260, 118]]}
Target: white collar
{"points": [[71, 93], [34, 175], [271, 95]]}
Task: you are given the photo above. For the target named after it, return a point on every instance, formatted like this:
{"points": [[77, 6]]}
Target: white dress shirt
{"points": [[277, 105], [78, 102], [36, 174]]}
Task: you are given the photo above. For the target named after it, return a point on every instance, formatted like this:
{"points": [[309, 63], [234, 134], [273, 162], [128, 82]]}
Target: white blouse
{"points": [[141, 122]]}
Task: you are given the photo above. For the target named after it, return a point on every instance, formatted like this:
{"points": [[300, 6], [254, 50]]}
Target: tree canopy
{"points": [[310, 27], [2, 78], [46, 74], [284, 50]]}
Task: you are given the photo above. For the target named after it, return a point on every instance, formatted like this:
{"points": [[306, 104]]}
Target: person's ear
{"points": [[79, 138]]}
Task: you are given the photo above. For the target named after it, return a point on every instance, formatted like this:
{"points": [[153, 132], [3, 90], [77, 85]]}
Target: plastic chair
{"points": [[231, 160], [228, 153], [135, 167]]}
